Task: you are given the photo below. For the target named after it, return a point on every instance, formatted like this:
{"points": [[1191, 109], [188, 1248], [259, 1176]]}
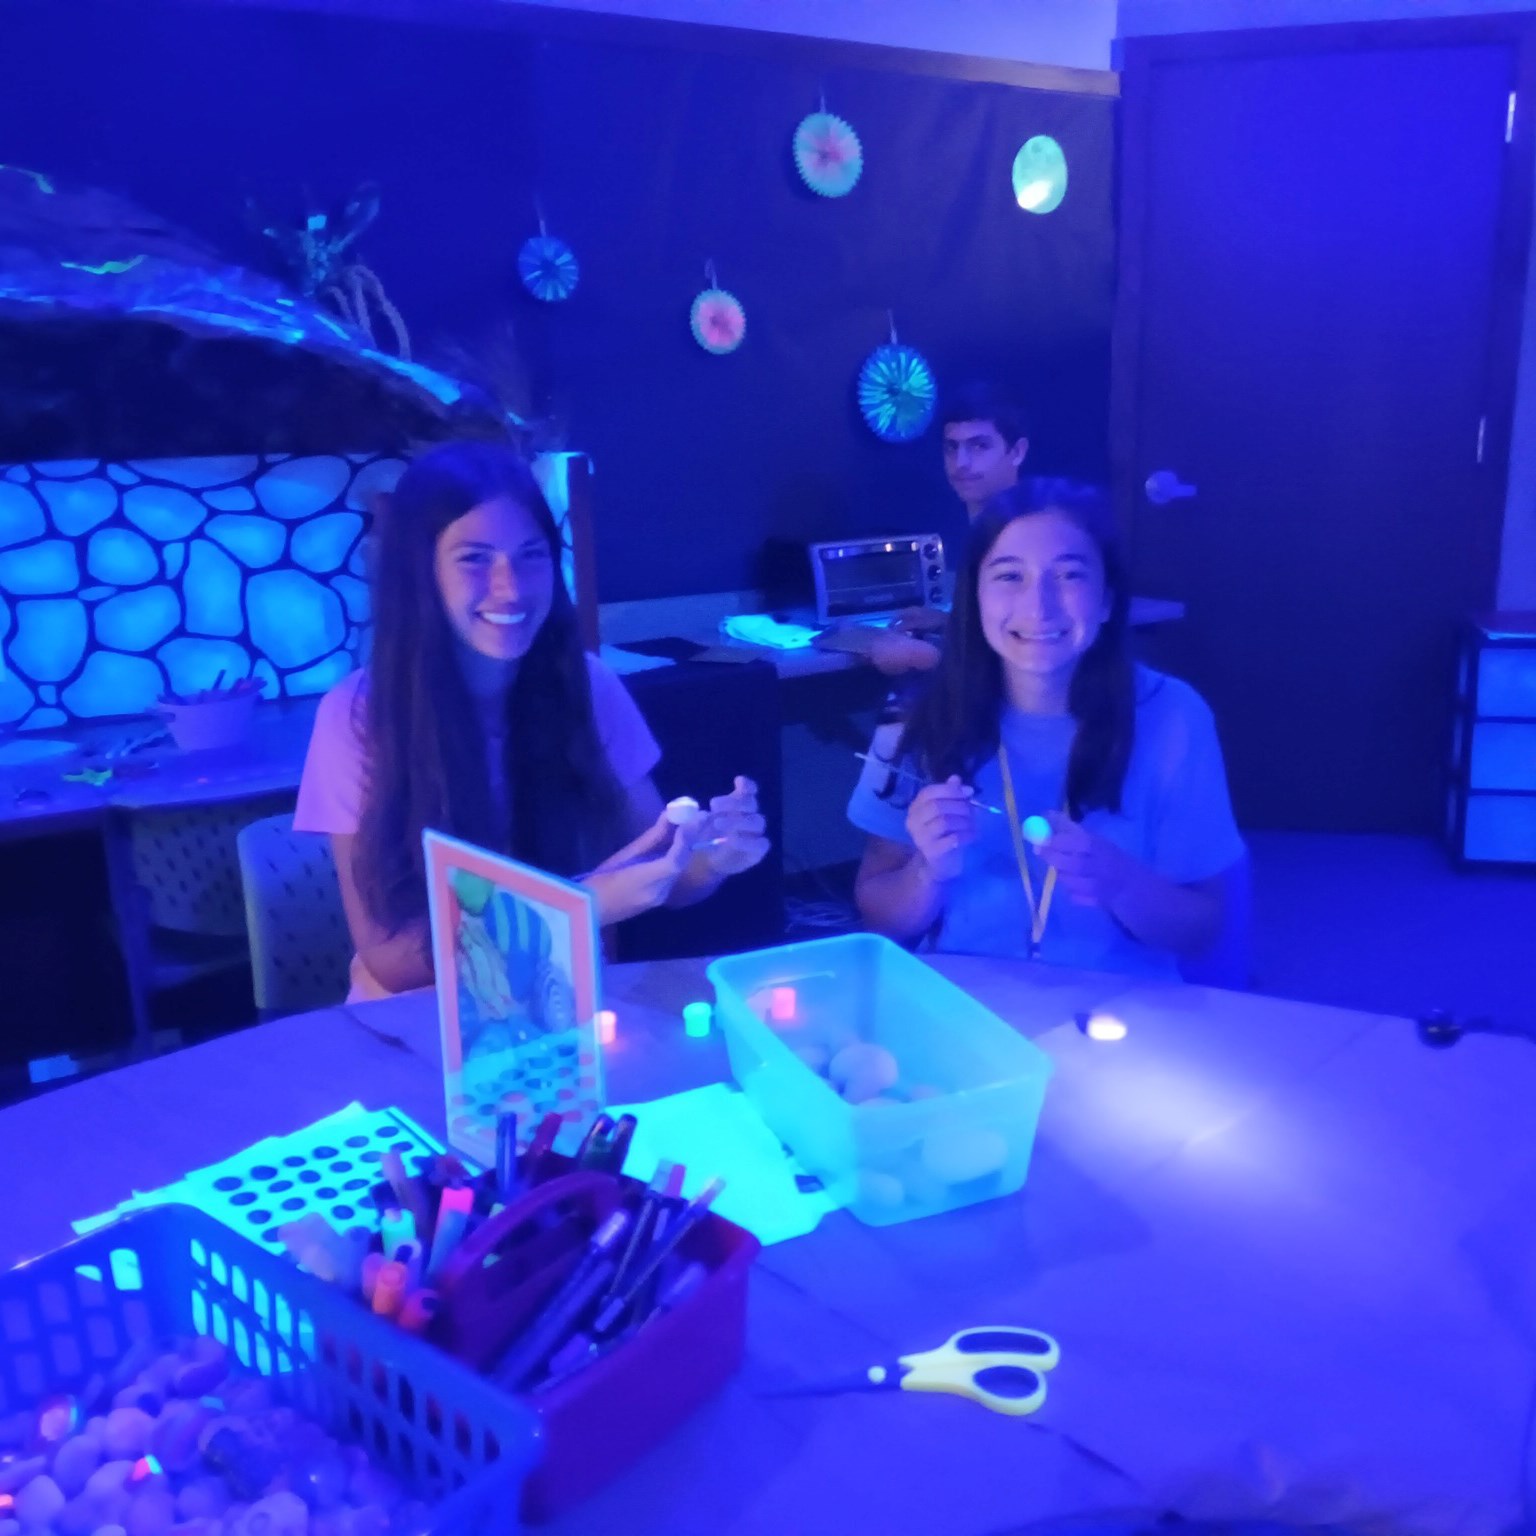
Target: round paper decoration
{"points": [[1040, 175], [718, 321], [828, 154], [548, 268], [896, 392]]}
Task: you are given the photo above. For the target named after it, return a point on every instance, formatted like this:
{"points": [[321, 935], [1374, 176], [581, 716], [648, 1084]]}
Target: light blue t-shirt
{"points": [[1176, 815]]}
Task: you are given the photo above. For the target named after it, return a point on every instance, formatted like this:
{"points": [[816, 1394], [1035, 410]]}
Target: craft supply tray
{"points": [[961, 1125]]}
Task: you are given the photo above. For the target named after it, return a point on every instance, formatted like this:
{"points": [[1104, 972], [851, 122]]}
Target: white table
{"points": [[1290, 1254]]}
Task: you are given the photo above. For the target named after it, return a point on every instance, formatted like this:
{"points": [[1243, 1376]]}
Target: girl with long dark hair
{"points": [[1046, 796], [480, 714]]}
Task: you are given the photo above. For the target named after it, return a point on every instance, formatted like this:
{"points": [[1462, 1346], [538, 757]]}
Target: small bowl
{"points": [[210, 723]]}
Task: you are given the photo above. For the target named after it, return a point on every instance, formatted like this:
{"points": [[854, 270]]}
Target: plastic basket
{"points": [[168, 1271]]}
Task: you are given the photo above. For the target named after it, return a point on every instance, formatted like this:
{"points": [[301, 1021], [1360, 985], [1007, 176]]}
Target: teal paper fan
{"points": [[548, 268], [828, 154], [896, 392]]}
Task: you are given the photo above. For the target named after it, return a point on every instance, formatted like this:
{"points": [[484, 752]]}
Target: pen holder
{"points": [[512, 1264], [595, 1423]]}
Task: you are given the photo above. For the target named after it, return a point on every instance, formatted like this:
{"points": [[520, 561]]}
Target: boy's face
{"points": [[979, 461]]}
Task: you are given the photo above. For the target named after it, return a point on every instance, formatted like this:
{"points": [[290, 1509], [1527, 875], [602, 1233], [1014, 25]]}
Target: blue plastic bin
{"points": [[171, 1271], [967, 1137]]}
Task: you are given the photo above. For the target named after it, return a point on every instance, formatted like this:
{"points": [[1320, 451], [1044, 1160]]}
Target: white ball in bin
{"points": [[959, 1154], [863, 1071]]}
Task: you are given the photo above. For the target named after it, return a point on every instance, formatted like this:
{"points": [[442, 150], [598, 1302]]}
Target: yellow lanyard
{"points": [[1038, 915]]}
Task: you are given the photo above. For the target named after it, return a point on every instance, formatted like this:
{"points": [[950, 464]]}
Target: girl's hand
{"points": [[734, 835], [941, 821], [1093, 871], [641, 875]]}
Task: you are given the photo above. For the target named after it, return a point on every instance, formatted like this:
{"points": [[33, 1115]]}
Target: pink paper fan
{"points": [[718, 321]]}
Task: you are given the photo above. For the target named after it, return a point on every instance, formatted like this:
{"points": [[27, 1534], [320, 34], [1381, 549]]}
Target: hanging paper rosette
{"points": [[896, 392], [548, 267], [719, 322], [828, 154]]}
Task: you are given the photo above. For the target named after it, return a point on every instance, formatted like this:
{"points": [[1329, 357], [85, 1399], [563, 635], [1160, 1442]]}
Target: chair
{"points": [[175, 888], [1229, 961], [300, 944]]}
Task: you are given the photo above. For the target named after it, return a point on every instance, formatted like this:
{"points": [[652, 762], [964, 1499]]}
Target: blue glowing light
{"points": [[15, 698], [896, 393], [298, 488], [21, 517], [548, 268], [321, 677], [111, 684], [163, 511], [354, 594], [121, 556], [35, 569], [254, 541], [49, 640], [294, 620], [370, 480], [213, 591], [77, 506], [200, 473], [137, 621], [323, 542]]}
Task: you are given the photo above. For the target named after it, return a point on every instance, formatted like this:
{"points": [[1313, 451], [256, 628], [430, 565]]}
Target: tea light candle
{"points": [[607, 1026], [782, 1003], [697, 1018]]}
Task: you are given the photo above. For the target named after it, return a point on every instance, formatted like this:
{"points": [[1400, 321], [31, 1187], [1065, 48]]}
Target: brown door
{"points": [[1324, 237]]}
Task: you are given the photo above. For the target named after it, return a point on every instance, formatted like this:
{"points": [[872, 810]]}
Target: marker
{"points": [[452, 1220], [407, 1193], [671, 1211], [679, 1289], [413, 1256], [389, 1289], [370, 1274], [616, 1307], [395, 1228], [419, 1309]]}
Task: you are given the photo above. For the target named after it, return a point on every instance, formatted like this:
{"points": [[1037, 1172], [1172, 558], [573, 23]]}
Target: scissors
{"points": [[1001, 1368]]}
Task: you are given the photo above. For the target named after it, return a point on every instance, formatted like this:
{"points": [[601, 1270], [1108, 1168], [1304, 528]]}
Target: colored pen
{"points": [[413, 1256], [672, 1210], [565, 1308], [919, 780], [677, 1230], [395, 1228], [679, 1289], [594, 1144], [506, 1153], [539, 1149], [640, 1234]]}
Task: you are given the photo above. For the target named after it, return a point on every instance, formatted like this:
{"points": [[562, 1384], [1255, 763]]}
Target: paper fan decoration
{"points": [[718, 320], [828, 154], [896, 392], [548, 268]]}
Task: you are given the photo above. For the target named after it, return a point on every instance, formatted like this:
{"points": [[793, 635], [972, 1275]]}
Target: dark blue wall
{"points": [[649, 160]]}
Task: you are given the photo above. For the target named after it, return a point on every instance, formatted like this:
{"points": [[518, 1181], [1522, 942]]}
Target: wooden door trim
{"points": [[1512, 252]]}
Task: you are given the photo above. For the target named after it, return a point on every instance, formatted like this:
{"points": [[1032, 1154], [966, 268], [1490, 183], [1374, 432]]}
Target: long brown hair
{"points": [[425, 748], [954, 724]]}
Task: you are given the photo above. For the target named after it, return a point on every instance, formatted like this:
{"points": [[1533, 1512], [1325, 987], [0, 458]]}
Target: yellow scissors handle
{"points": [[1002, 1369]]}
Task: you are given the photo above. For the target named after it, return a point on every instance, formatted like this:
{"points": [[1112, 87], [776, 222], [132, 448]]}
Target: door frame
{"points": [[1140, 56]]}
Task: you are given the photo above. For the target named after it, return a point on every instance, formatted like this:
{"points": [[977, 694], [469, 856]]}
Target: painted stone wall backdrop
{"points": [[122, 581]]}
